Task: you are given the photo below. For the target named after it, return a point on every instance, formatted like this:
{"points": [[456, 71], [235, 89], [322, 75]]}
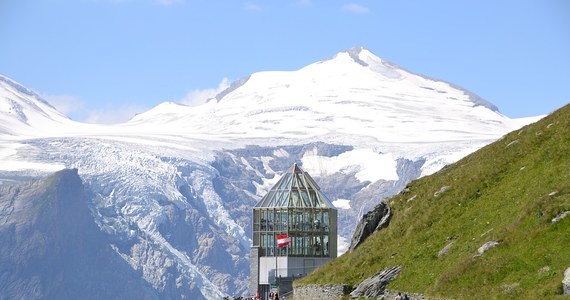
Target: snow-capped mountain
{"points": [[355, 93], [174, 186]]}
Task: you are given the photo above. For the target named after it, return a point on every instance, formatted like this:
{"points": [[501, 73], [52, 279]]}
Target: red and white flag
{"points": [[283, 240]]}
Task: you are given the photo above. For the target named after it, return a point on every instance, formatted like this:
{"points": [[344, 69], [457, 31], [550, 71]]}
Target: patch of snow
{"points": [[367, 164], [280, 153], [342, 245], [18, 165]]}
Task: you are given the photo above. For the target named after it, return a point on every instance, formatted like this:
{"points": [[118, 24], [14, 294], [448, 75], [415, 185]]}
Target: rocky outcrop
{"points": [[566, 282], [375, 285], [442, 190], [371, 222], [488, 245], [445, 249], [560, 216]]}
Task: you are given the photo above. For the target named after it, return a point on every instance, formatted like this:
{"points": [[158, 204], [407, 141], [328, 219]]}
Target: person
{"points": [[276, 296], [399, 297], [405, 297]]}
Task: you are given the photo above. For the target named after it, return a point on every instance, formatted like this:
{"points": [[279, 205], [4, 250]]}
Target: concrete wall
{"points": [[254, 269]]}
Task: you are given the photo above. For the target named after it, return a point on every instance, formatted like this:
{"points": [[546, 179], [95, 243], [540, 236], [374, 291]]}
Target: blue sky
{"points": [[105, 60]]}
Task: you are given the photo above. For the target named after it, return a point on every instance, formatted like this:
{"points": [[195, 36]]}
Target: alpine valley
{"points": [[171, 191]]}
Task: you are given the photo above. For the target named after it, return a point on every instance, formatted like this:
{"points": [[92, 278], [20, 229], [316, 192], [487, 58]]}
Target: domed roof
{"points": [[295, 189]]}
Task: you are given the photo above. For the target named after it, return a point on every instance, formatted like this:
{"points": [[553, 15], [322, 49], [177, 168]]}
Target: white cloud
{"points": [[113, 115], [355, 8], [251, 6], [65, 104], [199, 96]]}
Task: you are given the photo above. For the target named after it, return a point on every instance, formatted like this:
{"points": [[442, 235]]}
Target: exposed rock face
{"points": [[51, 247], [371, 222], [560, 216], [488, 245], [566, 282], [375, 285], [442, 190], [445, 249]]}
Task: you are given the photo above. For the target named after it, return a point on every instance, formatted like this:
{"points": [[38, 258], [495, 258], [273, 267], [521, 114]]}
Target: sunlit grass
{"points": [[508, 191]]}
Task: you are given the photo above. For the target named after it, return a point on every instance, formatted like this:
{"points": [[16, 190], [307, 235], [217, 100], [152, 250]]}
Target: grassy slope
{"points": [[508, 191]]}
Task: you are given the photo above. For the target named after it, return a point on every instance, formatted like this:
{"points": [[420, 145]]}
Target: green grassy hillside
{"points": [[508, 191]]}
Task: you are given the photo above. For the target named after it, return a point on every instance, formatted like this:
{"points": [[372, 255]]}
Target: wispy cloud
{"points": [[76, 109], [251, 6], [355, 8], [65, 104], [199, 96], [113, 114]]}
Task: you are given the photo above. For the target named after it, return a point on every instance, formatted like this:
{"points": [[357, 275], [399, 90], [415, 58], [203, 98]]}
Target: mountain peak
{"points": [[365, 58], [361, 55]]}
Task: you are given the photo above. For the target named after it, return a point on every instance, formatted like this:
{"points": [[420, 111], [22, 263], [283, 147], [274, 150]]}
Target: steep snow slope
{"points": [[174, 186], [353, 94], [24, 113]]}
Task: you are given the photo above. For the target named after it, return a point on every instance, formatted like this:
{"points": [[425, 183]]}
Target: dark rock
{"points": [[371, 222], [374, 286]]}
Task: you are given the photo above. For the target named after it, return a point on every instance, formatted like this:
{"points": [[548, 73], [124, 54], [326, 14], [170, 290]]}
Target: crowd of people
{"points": [[272, 296]]}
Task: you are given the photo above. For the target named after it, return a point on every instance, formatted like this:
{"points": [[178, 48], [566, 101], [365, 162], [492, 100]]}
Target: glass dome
{"points": [[295, 189]]}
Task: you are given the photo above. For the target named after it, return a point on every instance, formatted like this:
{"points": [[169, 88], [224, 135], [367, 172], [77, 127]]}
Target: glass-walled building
{"points": [[294, 208]]}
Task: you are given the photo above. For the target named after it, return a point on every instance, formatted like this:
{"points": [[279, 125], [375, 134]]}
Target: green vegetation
{"points": [[508, 191]]}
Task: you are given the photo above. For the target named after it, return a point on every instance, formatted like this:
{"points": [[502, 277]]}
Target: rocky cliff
{"points": [[52, 249]]}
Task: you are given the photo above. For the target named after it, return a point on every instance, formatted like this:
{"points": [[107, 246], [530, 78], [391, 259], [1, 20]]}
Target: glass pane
{"points": [[314, 199], [306, 202], [284, 220], [281, 199], [295, 198], [300, 181]]}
